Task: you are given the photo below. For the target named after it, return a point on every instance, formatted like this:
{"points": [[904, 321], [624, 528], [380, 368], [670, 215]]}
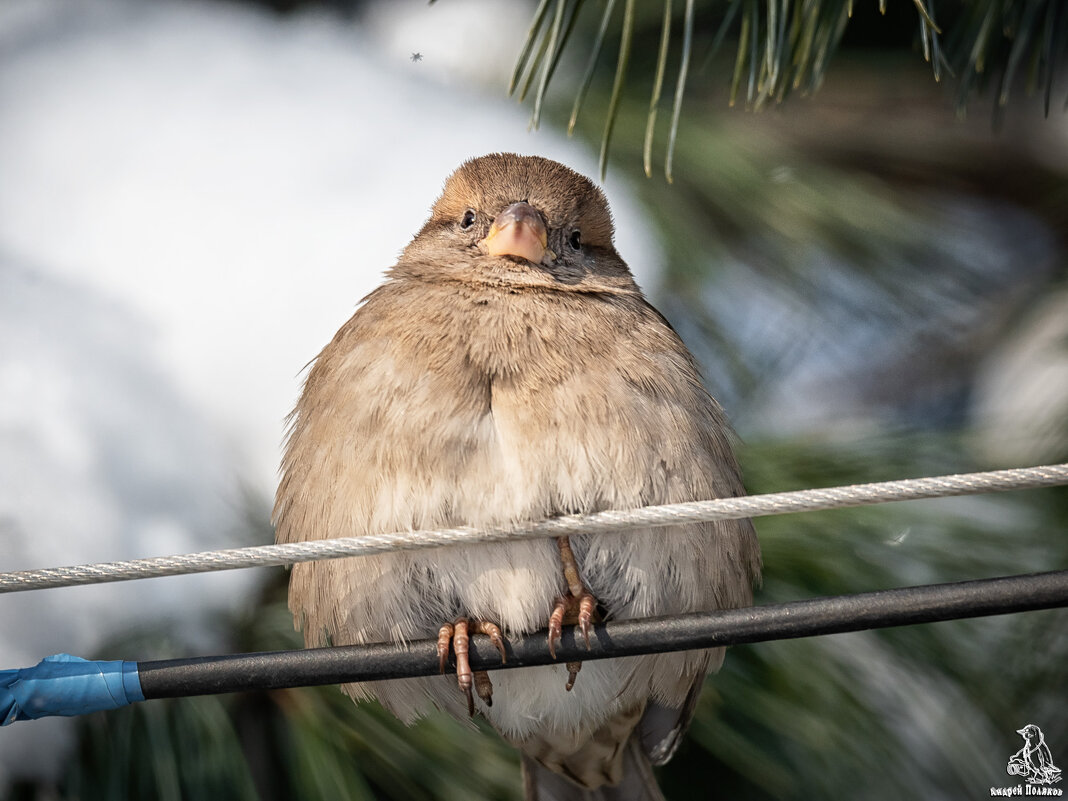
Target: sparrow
{"points": [[509, 370]]}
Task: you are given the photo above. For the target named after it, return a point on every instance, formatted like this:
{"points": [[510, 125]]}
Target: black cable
{"points": [[170, 678]]}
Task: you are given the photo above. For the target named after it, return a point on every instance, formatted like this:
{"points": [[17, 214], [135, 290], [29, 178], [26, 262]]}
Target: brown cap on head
{"points": [[562, 196]]}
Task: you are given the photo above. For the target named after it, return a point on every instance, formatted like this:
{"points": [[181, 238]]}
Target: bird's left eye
{"points": [[468, 219], [575, 240]]}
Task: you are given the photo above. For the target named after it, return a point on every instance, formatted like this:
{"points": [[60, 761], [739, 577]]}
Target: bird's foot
{"points": [[572, 610], [459, 634], [578, 607]]}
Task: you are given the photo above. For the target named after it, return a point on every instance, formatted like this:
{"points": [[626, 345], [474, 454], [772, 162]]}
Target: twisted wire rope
{"points": [[567, 525]]}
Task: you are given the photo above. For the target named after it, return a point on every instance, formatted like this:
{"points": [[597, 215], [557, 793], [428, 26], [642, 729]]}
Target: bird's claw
{"points": [[458, 633], [570, 609], [578, 607], [579, 611], [572, 673]]}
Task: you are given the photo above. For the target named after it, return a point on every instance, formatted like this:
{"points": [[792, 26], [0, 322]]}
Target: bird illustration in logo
{"points": [[1033, 762]]}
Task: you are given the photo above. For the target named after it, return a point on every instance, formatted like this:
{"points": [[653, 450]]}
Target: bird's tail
{"points": [[637, 783]]}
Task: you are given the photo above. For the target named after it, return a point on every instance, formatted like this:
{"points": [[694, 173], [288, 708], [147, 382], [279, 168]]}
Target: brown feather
{"points": [[486, 390]]}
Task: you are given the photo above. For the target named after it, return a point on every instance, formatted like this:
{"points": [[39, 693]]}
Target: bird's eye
{"points": [[575, 240], [468, 219]]}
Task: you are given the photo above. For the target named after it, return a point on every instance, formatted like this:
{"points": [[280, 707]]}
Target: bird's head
{"points": [[520, 221], [1028, 732]]}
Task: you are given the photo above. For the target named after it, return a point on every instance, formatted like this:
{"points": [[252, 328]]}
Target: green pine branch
{"points": [[782, 47]]}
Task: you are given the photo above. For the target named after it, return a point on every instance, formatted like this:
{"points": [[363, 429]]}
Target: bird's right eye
{"points": [[467, 220]]}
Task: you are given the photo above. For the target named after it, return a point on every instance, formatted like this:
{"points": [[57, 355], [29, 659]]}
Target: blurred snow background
{"points": [[193, 198]]}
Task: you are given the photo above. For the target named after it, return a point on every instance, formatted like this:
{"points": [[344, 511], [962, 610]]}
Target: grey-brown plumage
{"points": [[509, 370]]}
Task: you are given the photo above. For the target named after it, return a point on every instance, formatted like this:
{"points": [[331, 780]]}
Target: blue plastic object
{"points": [[67, 685]]}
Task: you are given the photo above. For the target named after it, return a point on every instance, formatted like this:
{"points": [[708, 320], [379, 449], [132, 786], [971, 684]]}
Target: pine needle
{"points": [[535, 62], [1019, 47], [587, 79], [680, 88], [524, 54], [658, 83], [617, 85], [739, 61], [754, 50], [552, 53], [928, 20], [785, 46]]}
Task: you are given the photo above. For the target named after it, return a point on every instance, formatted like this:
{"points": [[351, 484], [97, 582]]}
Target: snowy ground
{"points": [[193, 198]]}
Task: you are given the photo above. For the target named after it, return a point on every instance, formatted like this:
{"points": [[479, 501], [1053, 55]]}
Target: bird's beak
{"points": [[517, 231]]}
